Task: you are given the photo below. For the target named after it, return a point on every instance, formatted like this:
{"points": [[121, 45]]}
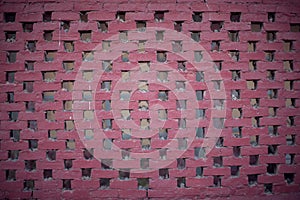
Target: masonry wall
{"points": [[149, 99]]}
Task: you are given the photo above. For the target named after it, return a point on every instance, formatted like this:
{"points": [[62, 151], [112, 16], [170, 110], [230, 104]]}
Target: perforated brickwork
{"points": [[149, 99]]}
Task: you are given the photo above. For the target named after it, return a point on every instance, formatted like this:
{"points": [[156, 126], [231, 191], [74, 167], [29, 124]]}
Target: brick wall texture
{"points": [[149, 99]]}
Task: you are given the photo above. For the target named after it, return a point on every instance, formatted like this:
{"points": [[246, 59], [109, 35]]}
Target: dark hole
{"points": [[106, 164], [29, 65], [295, 27], [178, 26], [143, 183], [104, 183], [164, 173], [13, 115], [268, 187], [10, 97], [215, 46], [10, 36], [159, 16], [141, 25], [234, 170], [13, 154], [217, 181], [28, 185], [200, 132], [48, 35], [289, 177], [199, 152], [47, 16], [10, 175], [163, 95], [163, 134], [27, 27], [85, 36], [32, 124], [236, 151], [88, 154], [84, 16], [86, 173], [103, 26], [181, 65], [67, 184], [195, 35], [15, 135], [161, 56], [216, 26], [199, 76], [272, 149], [220, 142], [181, 183], [200, 95], [121, 16], [31, 46], [10, 17], [199, 171], [68, 163], [218, 161], [271, 16], [30, 165], [235, 16], [30, 106], [253, 159], [256, 26], [51, 155], [272, 168], [124, 174], [47, 173], [180, 163], [12, 56], [33, 144], [252, 179], [65, 25], [10, 77], [197, 17]]}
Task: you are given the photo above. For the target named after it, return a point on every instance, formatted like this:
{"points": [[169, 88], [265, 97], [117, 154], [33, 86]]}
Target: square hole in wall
{"points": [[123, 36], [83, 16], [11, 56], [87, 56], [200, 132], [48, 35], [143, 183], [47, 16], [198, 56], [159, 35], [195, 35], [235, 16], [47, 173], [256, 26], [88, 154], [271, 16], [85, 36], [182, 123], [146, 143], [163, 95], [163, 173], [49, 56], [10, 174], [178, 26], [121, 16], [104, 183], [163, 133], [107, 65], [27, 27], [65, 25], [10, 36], [124, 174], [86, 173], [159, 16], [9, 17], [141, 26], [294, 27], [103, 26], [233, 36], [197, 16], [216, 26]]}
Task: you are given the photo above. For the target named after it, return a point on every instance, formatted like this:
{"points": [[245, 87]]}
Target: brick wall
{"points": [[149, 99]]}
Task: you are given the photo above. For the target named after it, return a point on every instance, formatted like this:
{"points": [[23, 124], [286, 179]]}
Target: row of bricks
{"points": [[145, 5]]}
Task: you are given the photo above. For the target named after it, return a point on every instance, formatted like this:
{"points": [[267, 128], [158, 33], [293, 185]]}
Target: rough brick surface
{"points": [[150, 99]]}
